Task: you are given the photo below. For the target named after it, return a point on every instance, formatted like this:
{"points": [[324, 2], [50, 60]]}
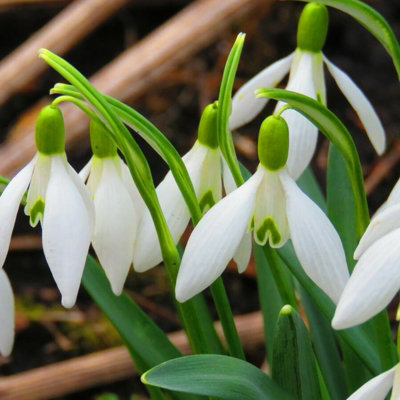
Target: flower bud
{"points": [[208, 126], [313, 27], [50, 131], [273, 143], [102, 144]]}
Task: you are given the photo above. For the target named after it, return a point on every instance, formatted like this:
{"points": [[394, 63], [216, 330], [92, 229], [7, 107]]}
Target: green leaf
{"points": [[293, 364], [336, 132], [342, 213], [357, 337], [371, 20], [146, 342], [270, 300], [325, 348], [225, 140], [215, 375]]}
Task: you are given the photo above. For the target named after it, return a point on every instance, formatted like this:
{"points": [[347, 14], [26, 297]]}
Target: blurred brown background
{"points": [[165, 58]]}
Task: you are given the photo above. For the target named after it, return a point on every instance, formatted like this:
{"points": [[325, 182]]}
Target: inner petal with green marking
{"points": [[35, 201], [269, 221], [37, 211]]}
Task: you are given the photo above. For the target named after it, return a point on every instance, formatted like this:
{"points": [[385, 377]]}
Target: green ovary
{"points": [[207, 201], [268, 226], [36, 211]]}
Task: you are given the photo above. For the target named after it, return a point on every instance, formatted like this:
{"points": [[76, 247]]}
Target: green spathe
{"points": [[50, 131], [100, 139], [208, 126], [313, 27], [273, 143]]}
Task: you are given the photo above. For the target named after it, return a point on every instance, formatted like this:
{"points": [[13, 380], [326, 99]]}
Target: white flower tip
{"points": [[182, 295], [343, 321], [68, 301], [7, 343], [117, 288]]}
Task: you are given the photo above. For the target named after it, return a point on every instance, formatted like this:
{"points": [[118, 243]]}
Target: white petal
{"points": [[302, 133], [84, 172], [229, 181], [245, 106], [376, 388], [9, 205], [361, 105], [210, 188], [243, 253], [270, 222], [147, 252], [6, 315], [84, 192], [66, 230], [382, 224], [396, 384], [37, 189], [315, 240], [215, 240], [318, 77], [140, 205], [115, 226], [373, 283]]}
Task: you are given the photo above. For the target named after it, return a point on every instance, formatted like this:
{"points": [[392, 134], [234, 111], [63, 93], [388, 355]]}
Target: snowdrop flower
{"points": [[203, 163], [378, 387], [271, 204], [6, 315], [376, 276], [117, 205], [306, 77], [58, 199]]}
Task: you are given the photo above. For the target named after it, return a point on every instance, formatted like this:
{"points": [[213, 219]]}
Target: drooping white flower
{"points": [[271, 204], [117, 205], [58, 199], [203, 163], [376, 276], [379, 387], [306, 77], [6, 315]]}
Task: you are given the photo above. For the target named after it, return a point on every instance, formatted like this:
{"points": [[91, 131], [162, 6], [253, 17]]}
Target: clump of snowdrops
{"points": [[323, 255]]}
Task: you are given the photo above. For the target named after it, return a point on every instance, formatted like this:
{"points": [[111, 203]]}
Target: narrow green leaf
{"points": [[225, 140], [215, 375], [337, 133], [146, 342], [270, 300], [371, 20], [326, 349], [356, 337], [293, 365]]}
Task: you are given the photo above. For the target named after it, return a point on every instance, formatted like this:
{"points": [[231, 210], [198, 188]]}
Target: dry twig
{"points": [[104, 367]]}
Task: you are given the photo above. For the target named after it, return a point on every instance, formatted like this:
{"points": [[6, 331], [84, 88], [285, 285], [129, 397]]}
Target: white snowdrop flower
{"points": [[306, 77], [117, 205], [272, 205], [379, 387], [58, 199], [203, 163], [376, 276]]}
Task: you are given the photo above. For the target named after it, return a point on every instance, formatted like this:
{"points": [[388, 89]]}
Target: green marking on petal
{"points": [[207, 201], [36, 211], [268, 225]]}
